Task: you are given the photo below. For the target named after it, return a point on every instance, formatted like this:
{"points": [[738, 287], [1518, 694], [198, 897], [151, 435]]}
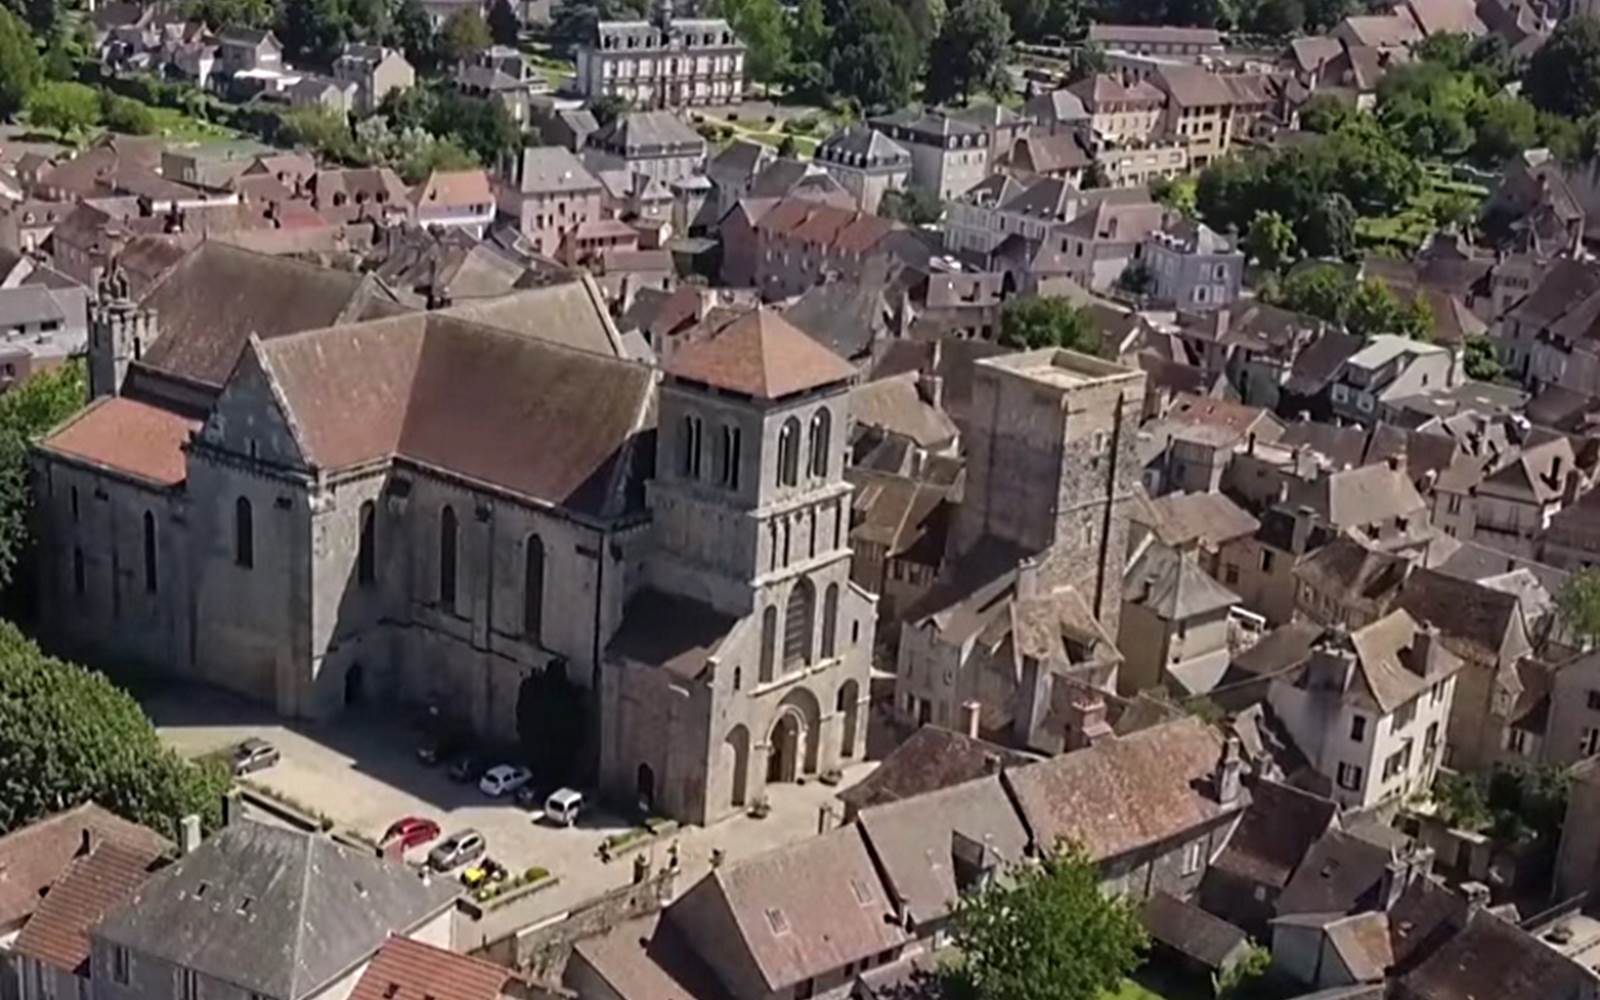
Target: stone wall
{"points": [[541, 951]]}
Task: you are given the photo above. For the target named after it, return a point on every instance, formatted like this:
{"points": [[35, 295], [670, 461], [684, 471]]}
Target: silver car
{"points": [[457, 850], [254, 755]]}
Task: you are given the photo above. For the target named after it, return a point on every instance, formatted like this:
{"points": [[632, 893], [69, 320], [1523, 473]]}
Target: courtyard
{"points": [[362, 773]]}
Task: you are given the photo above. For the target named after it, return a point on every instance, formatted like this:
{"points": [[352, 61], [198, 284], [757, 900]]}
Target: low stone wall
{"points": [[540, 952]]}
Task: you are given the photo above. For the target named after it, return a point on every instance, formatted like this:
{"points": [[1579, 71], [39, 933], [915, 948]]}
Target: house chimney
{"points": [[1572, 488], [1396, 462], [1086, 719], [1230, 769], [1301, 535], [992, 764], [971, 714], [189, 833], [1477, 896], [930, 389], [232, 807], [85, 842], [1423, 657]]}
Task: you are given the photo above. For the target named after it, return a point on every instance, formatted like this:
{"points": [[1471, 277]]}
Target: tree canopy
{"points": [[67, 108], [68, 735], [27, 410], [20, 68], [1044, 932], [1363, 306], [874, 58], [1579, 604], [1564, 75], [1043, 321], [763, 26], [969, 53]]}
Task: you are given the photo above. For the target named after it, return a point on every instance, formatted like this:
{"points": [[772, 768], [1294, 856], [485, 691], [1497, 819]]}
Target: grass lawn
{"points": [[174, 124], [1132, 991], [1405, 230]]}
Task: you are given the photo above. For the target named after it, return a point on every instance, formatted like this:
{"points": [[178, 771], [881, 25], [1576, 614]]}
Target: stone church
{"points": [[289, 485]]}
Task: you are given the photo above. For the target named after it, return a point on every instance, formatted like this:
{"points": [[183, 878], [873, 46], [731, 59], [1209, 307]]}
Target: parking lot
{"points": [[363, 773]]}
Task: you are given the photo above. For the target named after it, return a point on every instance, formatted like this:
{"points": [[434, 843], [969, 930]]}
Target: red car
{"points": [[412, 830]]}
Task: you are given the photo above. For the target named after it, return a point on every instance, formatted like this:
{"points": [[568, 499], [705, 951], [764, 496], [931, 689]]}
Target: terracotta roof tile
{"points": [[763, 355], [1124, 794], [404, 969], [128, 436], [34, 857], [58, 933]]}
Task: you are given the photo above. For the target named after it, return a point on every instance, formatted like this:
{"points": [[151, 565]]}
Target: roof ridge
{"points": [[305, 843]]}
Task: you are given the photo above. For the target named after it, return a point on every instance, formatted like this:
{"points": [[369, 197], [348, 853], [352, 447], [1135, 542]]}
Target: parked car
{"points": [[439, 746], [504, 778], [457, 850], [467, 767], [254, 755], [412, 830], [563, 806]]}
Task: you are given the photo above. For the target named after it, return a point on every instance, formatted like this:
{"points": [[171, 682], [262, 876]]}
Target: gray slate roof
{"points": [[553, 170], [273, 911]]}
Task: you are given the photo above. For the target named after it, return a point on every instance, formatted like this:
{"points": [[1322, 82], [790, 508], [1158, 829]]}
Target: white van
{"points": [[563, 806]]}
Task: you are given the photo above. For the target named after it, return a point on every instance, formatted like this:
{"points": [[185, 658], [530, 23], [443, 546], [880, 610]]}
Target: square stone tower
{"points": [[1051, 468]]}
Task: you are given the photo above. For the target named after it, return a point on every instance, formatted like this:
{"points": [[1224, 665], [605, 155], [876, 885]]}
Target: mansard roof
{"points": [[763, 355]]}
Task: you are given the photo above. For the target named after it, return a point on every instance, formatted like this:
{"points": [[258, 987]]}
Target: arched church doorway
{"points": [[737, 748], [645, 787], [353, 686], [784, 742], [848, 705]]}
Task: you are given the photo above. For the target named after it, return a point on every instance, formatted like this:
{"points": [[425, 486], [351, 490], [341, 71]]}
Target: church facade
{"points": [[289, 486]]}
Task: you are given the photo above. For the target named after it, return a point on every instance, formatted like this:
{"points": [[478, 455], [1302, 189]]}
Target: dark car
{"points": [[458, 850], [412, 830], [254, 755], [467, 768], [436, 747]]}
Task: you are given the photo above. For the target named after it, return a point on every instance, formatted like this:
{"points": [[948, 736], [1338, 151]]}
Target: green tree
{"points": [[1044, 932], [416, 161], [763, 26], [1326, 113], [220, 14], [1371, 308], [1480, 361], [463, 36], [68, 735], [609, 108], [1329, 229], [412, 32], [1243, 978], [1564, 75], [504, 27], [573, 21], [1460, 801], [1503, 126], [1282, 18], [126, 115], [20, 68], [66, 108], [1177, 193], [912, 206], [969, 53], [875, 57], [314, 31], [1321, 290], [27, 410], [1270, 242], [1047, 321], [1579, 604], [321, 129], [1136, 278], [484, 128]]}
